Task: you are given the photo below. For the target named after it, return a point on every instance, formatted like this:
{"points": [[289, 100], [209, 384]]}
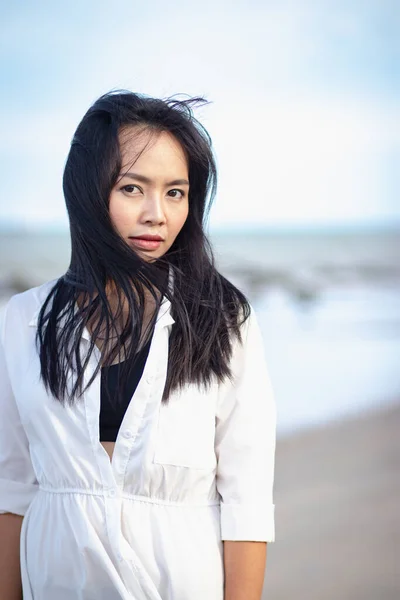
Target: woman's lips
{"points": [[145, 244]]}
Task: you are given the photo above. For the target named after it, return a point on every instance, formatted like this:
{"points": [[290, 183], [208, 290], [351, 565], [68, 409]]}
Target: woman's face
{"points": [[151, 196]]}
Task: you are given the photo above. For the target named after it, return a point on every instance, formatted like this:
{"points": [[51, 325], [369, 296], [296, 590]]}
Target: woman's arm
{"points": [[244, 564], [245, 450], [18, 483], [10, 572]]}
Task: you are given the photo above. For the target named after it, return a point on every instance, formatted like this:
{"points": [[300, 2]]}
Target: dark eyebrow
{"points": [[144, 179]]}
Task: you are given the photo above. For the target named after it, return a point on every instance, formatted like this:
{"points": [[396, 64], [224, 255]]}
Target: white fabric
{"points": [[149, 525]]}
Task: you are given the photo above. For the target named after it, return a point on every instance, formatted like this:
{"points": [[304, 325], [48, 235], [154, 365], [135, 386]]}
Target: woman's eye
{"points": [[181, 192], [130, 188]]}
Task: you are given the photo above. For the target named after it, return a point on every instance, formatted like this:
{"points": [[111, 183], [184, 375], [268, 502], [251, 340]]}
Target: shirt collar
{"points": [[164, 316]]}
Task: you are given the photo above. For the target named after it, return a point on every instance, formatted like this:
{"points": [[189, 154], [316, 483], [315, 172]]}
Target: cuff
{"points": [[15, 497], [250, 522]]}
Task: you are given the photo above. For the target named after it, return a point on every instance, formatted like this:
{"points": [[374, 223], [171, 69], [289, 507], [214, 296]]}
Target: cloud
{"points": [[296, 109], [310, 159]]}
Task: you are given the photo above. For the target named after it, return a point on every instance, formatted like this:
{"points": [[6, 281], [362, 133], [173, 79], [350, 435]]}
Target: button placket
{"points": [[133, 417], [92, 409]]}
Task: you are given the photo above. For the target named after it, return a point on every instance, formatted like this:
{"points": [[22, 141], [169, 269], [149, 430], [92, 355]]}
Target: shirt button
{"points": [[112, 493], [149, 380], [119, 556], [128, 433]]}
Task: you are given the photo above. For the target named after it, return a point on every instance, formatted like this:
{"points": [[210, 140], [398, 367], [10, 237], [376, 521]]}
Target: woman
{"points": [[138, 419]]}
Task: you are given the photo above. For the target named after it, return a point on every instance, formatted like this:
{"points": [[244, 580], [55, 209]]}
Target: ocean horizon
{"points": [[328, 305]]}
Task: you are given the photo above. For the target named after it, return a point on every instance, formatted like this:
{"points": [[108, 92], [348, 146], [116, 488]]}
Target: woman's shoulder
{"points": [[25, 306], [251, 336]]}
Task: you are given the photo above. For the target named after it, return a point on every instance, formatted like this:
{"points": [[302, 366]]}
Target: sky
{"points": [[303, 100]]}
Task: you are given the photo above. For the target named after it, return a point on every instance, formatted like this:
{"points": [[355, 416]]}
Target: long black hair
{"points": [[206, 307]]}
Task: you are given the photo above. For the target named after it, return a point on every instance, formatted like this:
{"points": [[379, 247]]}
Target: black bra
{"points": [[111, 415]]}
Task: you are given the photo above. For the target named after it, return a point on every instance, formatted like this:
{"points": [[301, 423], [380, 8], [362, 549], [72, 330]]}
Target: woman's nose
{"points": [[153, 208]]}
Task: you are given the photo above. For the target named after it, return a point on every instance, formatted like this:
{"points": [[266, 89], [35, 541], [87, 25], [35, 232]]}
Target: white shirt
{"points": [[149, 524]]}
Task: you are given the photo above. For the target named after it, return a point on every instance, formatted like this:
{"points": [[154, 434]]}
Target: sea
{"points": [[327, 301]]}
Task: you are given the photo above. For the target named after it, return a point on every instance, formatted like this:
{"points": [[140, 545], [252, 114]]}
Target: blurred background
{"points": [[304, 116]]}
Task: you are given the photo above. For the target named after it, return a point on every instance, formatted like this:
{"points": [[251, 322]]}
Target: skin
{"points": [[244, 567], [10, 570], [155, 207]]}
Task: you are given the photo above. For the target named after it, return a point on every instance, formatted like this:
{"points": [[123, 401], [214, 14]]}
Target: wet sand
{"points": [[337, 496]]}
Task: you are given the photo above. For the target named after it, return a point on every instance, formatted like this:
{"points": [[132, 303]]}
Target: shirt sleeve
{"points": [[18, 483], [245, 442]]}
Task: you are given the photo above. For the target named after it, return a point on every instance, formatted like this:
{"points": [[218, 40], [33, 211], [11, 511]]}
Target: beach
{"points": [[337, 491], [328, 309]]}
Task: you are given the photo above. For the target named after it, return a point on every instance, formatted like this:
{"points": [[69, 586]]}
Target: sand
{"points": [[337, 496]]}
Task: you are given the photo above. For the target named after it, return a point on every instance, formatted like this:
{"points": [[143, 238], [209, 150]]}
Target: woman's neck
{"points": [[119, 309]]}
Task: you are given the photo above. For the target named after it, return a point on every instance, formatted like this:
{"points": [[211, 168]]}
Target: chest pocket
{"points": [[185, 430]]}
